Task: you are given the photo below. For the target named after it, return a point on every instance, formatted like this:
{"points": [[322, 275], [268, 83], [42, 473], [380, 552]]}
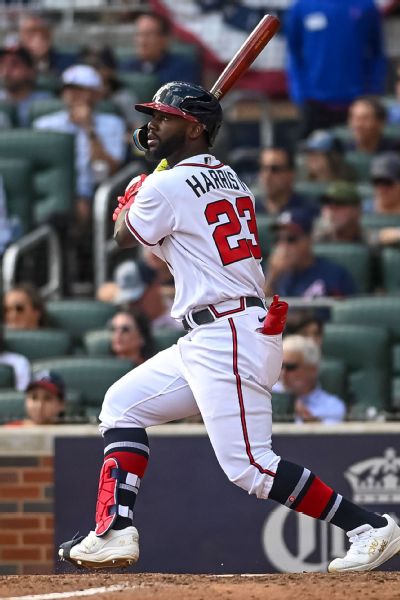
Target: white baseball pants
{"points": [[225, 370]]}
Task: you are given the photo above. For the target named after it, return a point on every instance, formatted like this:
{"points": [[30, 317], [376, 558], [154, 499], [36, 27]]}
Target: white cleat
{"points": [[117, 548], [369, 548]]}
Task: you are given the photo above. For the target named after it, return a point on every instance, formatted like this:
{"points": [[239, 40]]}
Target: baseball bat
{"points": [[247, 53]]}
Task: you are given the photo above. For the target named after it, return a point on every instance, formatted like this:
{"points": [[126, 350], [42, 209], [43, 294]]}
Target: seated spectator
{"points": [[35, 35], [323, 159], [300, 368], [44, 400], [276, 184], [19, 363], [294, 270], [393, 108], [305, 323], [23, 308], [385, 177], [18, 75], [151, 45], [367, 120], [104, 61], [137, 287], [99, 137], [340, 219], [131, 336]]}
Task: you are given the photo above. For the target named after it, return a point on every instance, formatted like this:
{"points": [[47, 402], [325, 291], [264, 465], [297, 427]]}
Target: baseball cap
{"points": [[132, 279], [386, 166], [50, 381], [341, 192], [83, 76], [22, 53], [319, 141], [296, 219]]}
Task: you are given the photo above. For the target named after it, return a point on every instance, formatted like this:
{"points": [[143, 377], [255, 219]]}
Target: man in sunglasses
{"points": [[276, 184], [294, 270], [385, 178]]}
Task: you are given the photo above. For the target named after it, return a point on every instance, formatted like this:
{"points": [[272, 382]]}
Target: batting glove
{"points": [[128, 198], [275, 321]]}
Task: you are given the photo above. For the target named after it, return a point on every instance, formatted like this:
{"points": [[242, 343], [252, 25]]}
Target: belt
{"points": [[210, 314]]}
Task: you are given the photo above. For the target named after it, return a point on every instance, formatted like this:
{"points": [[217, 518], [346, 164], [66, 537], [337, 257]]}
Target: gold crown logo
{"points": [[376, 480]]}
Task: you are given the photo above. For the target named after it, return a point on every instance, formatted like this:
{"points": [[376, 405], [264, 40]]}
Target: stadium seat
{"points": [[39, 343], [143, 85], [365, 351], [266, 236], [396, 358], [166, 337], [360, 163], [383, 311], [332, 376], [7, 376], [396, 393], [79, 316], [282, 406], [9, 110], [12, 405], [48, 82], [379, 220], [52, 157], [89, 376], [97, 343], [390, 268], [312, 189], [17, 176], [47, 106], [355, 257]]}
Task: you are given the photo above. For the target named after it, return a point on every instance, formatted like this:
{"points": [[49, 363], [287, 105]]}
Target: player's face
{"points": [[166, 135], [43, 407]]}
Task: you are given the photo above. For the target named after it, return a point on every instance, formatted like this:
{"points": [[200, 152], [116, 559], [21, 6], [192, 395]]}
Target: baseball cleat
{"points": [[369, 548], [117, 548]]}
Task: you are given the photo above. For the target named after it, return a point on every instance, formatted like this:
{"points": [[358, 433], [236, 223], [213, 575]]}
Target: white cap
{"points": [[82, 76], [130, 284]]}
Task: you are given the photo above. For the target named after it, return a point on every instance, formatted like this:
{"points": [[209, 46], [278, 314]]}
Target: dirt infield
{"points": [[307, 586]]}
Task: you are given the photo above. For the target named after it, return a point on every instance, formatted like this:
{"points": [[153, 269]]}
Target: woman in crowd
{"points": [[24, 308], [131, 337]]}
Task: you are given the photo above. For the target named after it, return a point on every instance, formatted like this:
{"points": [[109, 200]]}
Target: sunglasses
{"points": [[382, 181], [290, 366], [18, 308], [274, 168], [289, 239], [121, 328]]}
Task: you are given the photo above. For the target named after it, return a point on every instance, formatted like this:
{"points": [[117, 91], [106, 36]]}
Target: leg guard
{"points": [[112, 480]]}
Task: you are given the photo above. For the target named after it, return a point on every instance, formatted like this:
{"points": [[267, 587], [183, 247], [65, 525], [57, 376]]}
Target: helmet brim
{"points": [[149, 107]]}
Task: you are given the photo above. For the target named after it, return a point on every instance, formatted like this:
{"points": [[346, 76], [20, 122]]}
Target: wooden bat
{"points": [[247, 53]]}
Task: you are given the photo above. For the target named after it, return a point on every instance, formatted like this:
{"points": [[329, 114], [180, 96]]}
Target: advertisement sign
{"points": [[191, 519]]}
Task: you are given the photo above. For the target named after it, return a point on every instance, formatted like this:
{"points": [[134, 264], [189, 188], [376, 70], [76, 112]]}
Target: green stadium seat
{"points": [[143, 85], [390, 268], [9, 110], [79, 316], [17, 176], [282, 406], [12, 405], [365, 351], [332, 376], [266, 236], [382, 311], [48, 82], [47, 106], [38, 344], [89, 376], [379, 221], [51, 155], [97, 343], [396, 393], [396, 358], [360, 163], [355, 257], [166, 337], [312, 189], [7, 376]]}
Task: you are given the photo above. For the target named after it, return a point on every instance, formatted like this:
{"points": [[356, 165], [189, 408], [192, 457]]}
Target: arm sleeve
{"points": [[151, 217]]}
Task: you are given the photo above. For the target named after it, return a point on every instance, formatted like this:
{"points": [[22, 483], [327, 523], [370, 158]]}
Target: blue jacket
{"points": [[335, 50]]}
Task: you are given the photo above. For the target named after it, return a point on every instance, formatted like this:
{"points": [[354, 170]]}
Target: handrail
{"points": [[26, 244], [104, 246]]}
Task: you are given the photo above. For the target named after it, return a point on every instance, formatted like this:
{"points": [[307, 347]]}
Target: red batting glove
{"points": [[128, 198], [275, 321]]}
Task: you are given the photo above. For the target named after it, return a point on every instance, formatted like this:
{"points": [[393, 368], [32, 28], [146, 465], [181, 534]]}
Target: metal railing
{"points": [[103, 244], [14, 253]]}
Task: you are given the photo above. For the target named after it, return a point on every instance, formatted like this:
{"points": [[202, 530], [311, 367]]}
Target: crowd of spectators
{"points": [[319, 191]]}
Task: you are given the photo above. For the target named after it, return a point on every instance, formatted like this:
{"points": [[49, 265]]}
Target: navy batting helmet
{"points": [[189, 101]]}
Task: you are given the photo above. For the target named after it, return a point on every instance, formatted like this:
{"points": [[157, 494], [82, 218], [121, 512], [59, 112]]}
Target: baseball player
{"points": [[198, 216]]}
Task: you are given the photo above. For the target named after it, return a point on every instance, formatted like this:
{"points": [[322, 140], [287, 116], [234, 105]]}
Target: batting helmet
{"points": [[189, 101]]}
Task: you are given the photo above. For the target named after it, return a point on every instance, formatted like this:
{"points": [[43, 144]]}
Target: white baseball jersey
{"points": [[199, 218]]}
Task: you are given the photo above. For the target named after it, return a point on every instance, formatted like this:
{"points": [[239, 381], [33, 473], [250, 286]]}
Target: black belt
{"points": [[202, 317]]}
